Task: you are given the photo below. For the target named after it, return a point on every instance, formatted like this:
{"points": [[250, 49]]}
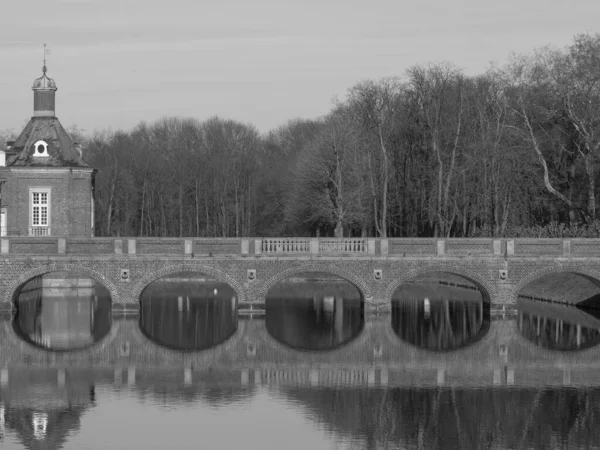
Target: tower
{"points": [[47, 188]]}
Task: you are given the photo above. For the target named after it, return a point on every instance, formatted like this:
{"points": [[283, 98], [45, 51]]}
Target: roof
{"points": [[62, 150], [44, 82]]}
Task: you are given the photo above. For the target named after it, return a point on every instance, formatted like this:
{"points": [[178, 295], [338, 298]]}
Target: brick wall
{"points": [[70, 200]]}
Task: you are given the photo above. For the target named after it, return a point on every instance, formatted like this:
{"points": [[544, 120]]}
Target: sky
{"points": [[263, 62]]}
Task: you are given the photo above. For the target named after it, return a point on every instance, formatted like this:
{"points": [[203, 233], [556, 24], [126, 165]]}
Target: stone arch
{"points": [[591, 275], [360, 283], [61, 267], [139, 287], [484, 285]]}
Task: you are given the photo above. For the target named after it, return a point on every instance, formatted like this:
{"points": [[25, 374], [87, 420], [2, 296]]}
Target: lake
{"points": [[309, 370]]}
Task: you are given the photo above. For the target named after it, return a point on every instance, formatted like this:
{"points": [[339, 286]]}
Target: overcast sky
{"points": [[118, 62]]}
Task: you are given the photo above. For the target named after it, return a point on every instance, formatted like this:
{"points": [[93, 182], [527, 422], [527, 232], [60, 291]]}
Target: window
{"points": [[40, 212], [40, 148]]}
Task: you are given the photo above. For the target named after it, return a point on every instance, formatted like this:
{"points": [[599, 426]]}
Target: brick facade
{"points": [[70, 208]]}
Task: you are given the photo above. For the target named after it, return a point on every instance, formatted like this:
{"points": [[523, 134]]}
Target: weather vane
{"points": [[46, 52]]}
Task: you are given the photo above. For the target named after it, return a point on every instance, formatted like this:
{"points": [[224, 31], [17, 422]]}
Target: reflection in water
{"points": [[187, 314], [43, 415], [557, 327], [438, 317], [277, 398], [317, 315], [60, 311], [448, 418]]}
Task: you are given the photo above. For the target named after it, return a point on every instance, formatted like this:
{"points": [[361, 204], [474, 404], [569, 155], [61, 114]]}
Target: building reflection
{"points": [[438, 317], [188, 315], [43, 415], [557, 327], [314, 316], [61, 312]]}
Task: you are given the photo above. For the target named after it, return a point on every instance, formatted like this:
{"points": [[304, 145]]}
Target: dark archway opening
{"points": [[560, 311], [314, 311], [440, 311], [62, 311], [188, 311]]}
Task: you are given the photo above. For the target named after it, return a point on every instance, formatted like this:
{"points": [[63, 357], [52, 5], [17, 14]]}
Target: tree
{"points": [[375, 108], [327, 177]]}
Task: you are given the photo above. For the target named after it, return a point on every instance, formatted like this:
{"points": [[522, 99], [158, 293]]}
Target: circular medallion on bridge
{"points": [[188, 311], [62, 311], [314, 311], [440, 312]]}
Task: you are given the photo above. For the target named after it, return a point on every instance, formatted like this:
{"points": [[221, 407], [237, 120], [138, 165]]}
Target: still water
{"points": [[315, 371]]}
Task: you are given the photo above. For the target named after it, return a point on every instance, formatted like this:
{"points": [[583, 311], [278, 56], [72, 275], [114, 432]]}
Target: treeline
{"points": [[432, 153]]}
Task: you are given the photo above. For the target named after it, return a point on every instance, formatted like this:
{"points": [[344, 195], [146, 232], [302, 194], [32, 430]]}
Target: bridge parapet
{"points": [[355, 247]]}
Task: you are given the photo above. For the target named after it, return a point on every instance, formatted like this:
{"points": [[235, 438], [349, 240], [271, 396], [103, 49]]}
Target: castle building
{"points": [[46, 187]]}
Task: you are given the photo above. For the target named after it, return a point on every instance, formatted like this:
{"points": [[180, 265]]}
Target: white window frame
{"points": [[40, 229], [43, 153], [3, 222]]}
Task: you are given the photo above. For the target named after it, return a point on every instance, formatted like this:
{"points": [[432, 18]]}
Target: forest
{"points": [[433, 152]]}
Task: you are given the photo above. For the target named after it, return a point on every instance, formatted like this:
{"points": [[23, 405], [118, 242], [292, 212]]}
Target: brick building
{"points": [[47, 188]]}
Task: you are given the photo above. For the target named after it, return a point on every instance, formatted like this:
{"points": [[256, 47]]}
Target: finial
{"points": [[46, 51]]}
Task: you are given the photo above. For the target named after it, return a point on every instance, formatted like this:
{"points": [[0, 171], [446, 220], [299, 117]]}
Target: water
{"points": [[314, 372]]}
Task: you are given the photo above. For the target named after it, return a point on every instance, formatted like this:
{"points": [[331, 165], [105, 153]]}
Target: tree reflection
{"points": [[437, 317], [60, 311], [314, 315], [557, 327], [457, 418], [188, 315]]}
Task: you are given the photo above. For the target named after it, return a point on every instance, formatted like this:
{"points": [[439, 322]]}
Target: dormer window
{"points": [[40, 148]]}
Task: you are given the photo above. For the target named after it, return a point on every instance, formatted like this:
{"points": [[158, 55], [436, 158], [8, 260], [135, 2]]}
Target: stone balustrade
{"points": [[285, 245], [265, 247]]}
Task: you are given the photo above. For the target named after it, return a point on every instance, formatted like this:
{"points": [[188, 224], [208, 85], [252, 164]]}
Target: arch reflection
{"points": [[440, 312], [314, 311], [62, 311], [557, 327], [188, 311]]}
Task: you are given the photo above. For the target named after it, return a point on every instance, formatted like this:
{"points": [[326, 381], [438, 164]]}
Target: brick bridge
{"points": [[499, 267], [251, 356]]}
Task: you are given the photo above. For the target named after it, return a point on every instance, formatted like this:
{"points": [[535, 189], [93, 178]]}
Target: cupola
{"points": [[44, 89]]}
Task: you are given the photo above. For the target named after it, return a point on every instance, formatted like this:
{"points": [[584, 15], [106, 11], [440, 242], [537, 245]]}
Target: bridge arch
{"points": [[482, 284], [12, 287], [591, 275], [360, 283], [139, 287]]}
